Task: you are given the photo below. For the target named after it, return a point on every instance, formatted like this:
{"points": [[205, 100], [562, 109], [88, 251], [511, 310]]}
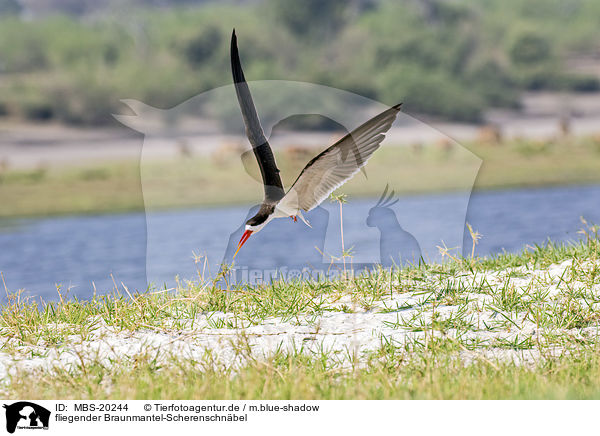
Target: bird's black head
{"points": [[261, 216], [256, 223], [256, 220]]}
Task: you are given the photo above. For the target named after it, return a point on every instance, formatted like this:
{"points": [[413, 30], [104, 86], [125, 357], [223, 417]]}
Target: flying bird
{"points": [[320, 177]]}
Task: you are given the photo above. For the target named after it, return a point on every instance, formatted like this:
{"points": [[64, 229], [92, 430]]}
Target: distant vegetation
{"points": [[447, 58]]}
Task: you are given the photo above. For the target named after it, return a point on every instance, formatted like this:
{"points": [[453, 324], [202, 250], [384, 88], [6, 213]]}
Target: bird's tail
{"points": [[303, 219]]}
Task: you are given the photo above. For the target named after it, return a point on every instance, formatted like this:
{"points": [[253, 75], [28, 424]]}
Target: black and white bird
{"points": [[320, 177]]}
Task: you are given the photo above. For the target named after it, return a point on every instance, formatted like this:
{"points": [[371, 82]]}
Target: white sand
{"points": [[345, 336]]}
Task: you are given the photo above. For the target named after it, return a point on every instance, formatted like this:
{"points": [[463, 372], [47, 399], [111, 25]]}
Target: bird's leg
{"points": [[294, 218]]}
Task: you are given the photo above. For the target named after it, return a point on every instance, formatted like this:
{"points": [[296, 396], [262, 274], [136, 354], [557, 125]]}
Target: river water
{"points": [[86, 253]]}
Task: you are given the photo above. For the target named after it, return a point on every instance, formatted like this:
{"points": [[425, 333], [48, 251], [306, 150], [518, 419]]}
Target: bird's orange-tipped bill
{"points": [[245, 237]]}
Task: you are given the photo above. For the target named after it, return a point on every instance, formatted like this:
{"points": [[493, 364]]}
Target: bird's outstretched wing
{"points": [[337, 164], [262, 150]]}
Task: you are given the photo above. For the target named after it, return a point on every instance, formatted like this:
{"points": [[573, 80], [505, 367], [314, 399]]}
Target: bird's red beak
{"points": [[245, 237]]}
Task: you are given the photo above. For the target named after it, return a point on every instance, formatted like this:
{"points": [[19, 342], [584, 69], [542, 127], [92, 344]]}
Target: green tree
{"points": [[311, 19]]}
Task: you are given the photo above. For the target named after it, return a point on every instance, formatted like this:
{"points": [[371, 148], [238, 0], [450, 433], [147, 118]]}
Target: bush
{"points": [[530, 48], [432, 93], [581, 83], [201, 47]]}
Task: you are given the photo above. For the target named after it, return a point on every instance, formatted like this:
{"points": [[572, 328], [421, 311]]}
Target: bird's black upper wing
{"points": [[338, 163], [262, 150]]}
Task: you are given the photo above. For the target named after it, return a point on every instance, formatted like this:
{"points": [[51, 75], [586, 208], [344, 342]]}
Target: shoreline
{"points": [[507, 313], [197, 181], [25, 145], [212, 206]]}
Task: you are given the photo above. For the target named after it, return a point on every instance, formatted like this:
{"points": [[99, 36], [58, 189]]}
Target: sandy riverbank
{"points": [[31, 146]]}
